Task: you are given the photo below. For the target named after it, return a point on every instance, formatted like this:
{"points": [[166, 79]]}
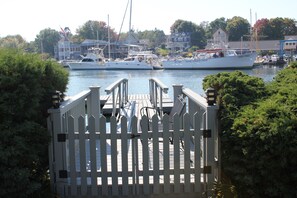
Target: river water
{"points": [[138, 80]]}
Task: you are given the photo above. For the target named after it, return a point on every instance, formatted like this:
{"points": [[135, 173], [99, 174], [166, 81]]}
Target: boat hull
{"points": [[87, 66], [245, 61], [128, 65], [109, 66]]}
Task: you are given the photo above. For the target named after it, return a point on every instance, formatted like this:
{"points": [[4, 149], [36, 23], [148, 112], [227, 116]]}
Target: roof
{"points": [[259, 45]]}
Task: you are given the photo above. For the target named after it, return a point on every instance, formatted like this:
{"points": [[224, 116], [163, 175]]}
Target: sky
{"points": [[29, 17]]}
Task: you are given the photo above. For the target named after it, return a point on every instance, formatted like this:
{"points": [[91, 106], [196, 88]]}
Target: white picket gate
{"points": [[90, 157]]}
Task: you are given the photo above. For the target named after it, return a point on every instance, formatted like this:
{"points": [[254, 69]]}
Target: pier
{"points": [[139, 145]]}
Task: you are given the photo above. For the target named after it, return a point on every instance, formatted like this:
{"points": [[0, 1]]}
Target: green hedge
{"points": [[26, 84], [258, 132]]}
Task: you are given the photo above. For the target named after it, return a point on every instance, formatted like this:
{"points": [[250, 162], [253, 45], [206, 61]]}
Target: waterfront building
{"points": [[178, 41]]}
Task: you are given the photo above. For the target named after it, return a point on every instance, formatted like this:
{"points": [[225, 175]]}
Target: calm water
{"points": [[138, 80]]}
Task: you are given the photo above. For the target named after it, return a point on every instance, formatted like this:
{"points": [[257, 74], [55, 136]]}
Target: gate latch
{"points": [[132, 136]]}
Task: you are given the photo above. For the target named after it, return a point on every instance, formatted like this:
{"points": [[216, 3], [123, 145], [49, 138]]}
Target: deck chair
{"points": [[178, 108]]}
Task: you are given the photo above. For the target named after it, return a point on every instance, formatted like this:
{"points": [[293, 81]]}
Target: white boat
{"points": [[140, 60], [94, 60], [144, 60], [213, 59]]}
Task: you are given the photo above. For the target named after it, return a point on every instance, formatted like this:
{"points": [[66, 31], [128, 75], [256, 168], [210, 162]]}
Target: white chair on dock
{"points": [[178, 109]]}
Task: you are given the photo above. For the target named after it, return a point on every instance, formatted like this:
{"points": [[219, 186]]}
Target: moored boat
{"points": [[135, 61], [214, 59], [144, 60], [94, 60]]}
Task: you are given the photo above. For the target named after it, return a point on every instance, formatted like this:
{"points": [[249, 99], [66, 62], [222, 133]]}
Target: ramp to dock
{"points": [[134, 104]]}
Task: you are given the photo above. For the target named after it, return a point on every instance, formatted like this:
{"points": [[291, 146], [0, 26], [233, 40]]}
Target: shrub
{"points": [[26, 84], [258, 132], [234, 90]]}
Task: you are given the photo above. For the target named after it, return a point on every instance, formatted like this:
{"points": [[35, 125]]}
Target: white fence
{"points": [[92, 158]]}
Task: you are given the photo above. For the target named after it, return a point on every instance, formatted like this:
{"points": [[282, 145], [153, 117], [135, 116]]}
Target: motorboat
{"points": [[93, 60], [213, 59], [143, 60]]}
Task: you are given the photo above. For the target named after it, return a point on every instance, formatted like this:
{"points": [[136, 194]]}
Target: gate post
{"points": [[177, 90], [57, 153], [94, 108], [212, 155]]}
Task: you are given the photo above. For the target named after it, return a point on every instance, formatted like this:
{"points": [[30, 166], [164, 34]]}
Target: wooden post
{"points": [[94, 108], [177, 90], [161, 103], [211, 144]]}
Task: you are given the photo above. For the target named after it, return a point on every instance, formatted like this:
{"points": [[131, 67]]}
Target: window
{"points": [[87, 60]]}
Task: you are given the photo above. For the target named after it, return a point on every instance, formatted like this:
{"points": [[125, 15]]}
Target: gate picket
{"points": [[148, 163], [124, 150]]}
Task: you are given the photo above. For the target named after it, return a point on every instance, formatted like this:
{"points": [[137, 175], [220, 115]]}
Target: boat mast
{"points": [[108, 37], [129, 35]]}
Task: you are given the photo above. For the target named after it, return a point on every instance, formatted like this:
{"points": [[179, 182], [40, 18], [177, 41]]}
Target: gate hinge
{"points": [[207, 169], [63, 174], [132, 136], [206, 133], [61, 137]]}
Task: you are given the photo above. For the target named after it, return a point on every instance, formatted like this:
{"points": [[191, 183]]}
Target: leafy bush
{"points": [[234, 90], [258, 134], [26, 84]]}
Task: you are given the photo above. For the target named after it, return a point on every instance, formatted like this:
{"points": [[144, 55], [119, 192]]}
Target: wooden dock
{"points": [[137, 100]]}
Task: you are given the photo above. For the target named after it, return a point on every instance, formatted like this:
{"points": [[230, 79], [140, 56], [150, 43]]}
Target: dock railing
{"points": [[119, 92], [156, 91]]}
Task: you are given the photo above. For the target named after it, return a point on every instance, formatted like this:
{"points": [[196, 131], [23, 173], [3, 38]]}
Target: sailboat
{"points": [[136, 60]]}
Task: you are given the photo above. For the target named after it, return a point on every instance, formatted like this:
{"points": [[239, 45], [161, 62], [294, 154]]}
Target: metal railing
{"points": [[156, 90], [119, 92]]}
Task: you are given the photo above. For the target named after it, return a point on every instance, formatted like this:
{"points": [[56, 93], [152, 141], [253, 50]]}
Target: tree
{"points": [[237, 27], [46, 40], [26, 84], [156, 37], [198, 38], [181, 26], [275, 28], [15, 41], [290, 27], [280, 27], [97, 30], [260, 28], [197, 33]]}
